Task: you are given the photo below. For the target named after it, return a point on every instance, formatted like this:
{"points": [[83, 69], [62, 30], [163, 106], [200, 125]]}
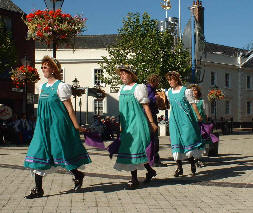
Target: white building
{"points": [[223, 67], [83, 64]]}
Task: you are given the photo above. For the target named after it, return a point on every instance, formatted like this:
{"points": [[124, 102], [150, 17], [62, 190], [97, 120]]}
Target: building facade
{"points": [[221, 67], [11, 18]]}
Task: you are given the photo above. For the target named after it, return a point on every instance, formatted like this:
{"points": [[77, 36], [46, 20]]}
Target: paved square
{"points": [[224, 185]]}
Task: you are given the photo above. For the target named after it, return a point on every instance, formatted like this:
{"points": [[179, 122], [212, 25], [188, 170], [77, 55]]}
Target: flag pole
{"points": [[179, 19]]}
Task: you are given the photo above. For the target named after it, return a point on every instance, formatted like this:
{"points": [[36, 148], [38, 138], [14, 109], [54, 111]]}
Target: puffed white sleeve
{"points": [[189, 96], [64, 91], [167, 94], [40, 88], [141, 94], [120, 90]]}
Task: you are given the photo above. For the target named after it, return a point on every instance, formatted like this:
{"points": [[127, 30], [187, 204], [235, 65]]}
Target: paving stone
{"points": [[225, 185]]}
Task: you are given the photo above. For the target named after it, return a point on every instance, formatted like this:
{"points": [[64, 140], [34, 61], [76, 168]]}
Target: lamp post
{"points": [[87, 105], [80, 112], [25, 62], [53, 5], [75, 85]]}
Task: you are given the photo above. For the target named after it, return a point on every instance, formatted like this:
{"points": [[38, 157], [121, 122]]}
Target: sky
{"points": [[227, 22]]}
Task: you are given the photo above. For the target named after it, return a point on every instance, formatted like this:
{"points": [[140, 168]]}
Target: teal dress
{"points": [[135, 135], [184, 129], [55, 142], [200, 106]]}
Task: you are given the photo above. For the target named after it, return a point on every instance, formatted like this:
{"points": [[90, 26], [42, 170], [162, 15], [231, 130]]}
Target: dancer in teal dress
{"points": [[135, 134], [56, 140], [184, 130]]}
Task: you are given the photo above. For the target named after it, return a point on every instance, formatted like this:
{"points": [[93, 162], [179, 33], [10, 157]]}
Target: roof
{"points": [[223, 50], [9, 6], [103, 41], [87, 42]]}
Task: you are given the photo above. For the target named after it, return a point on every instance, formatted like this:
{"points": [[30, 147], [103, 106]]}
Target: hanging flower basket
{"points": [[215, 94], [24, 74], [48, 25]]}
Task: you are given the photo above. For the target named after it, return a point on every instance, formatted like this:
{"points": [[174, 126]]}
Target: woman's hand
{"points": [[200, 119], [154, 127], [82, 129]]}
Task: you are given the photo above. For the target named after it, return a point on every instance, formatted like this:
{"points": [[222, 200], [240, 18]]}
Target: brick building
{"points": [[11, 18]]}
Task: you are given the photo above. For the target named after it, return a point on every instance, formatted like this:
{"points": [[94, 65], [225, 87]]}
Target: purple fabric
{"points": [[150, 151], [113, 148], [151, 95], [206, 132], [94, 140]]}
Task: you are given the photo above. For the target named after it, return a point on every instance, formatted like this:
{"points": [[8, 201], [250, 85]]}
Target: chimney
{"points": [[198, 12]]}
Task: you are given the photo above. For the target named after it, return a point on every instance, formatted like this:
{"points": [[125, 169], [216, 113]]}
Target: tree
{"points": [[140, 44], [8, 56]]}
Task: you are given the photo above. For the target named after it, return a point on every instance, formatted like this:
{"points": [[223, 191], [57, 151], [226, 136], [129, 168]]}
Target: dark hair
{"points": [[153, 78], [174, 75]]}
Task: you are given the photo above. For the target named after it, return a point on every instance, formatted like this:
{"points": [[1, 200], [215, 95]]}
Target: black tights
{"points": [[75, 172], [190, 160], [38, 178], [38, 181], [134, 173]]}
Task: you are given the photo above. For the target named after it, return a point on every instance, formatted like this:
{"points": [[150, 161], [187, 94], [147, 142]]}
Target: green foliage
{"points": [[141, 45], [8, 56]]}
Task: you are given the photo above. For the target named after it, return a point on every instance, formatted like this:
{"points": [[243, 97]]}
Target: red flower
{"points": [[48, 25], [39, 34], [46, 29]]}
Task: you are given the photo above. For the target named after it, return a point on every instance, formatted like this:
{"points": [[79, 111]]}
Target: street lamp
{"points": [[75, 85], [25, 62], [54, 5], [80, 113]]}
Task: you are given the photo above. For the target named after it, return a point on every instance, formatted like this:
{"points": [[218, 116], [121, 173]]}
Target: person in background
{"points": [[153, 81], [206, 129], [56, 140]]}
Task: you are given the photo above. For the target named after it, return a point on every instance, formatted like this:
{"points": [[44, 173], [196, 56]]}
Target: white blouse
{"points": [[204, 104], [140, 92], [64, 90], [188, 94]]}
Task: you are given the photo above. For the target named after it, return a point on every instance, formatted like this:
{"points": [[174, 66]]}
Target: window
{"points": [[213, 80], [248, 107], [213, 107], [98, 73], [227, 107], [7, 22], [248, 82], [98, 107], [227, 80]]}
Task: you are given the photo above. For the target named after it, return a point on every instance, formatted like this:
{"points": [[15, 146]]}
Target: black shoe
{"points": [[35, 193], [179, 171], [78, 181], [133, 184], [149, 176]]}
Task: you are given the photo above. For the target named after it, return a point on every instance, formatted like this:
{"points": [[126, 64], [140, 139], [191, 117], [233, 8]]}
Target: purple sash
{"points": [[206, 132], [113, 148], [94, 140]]}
